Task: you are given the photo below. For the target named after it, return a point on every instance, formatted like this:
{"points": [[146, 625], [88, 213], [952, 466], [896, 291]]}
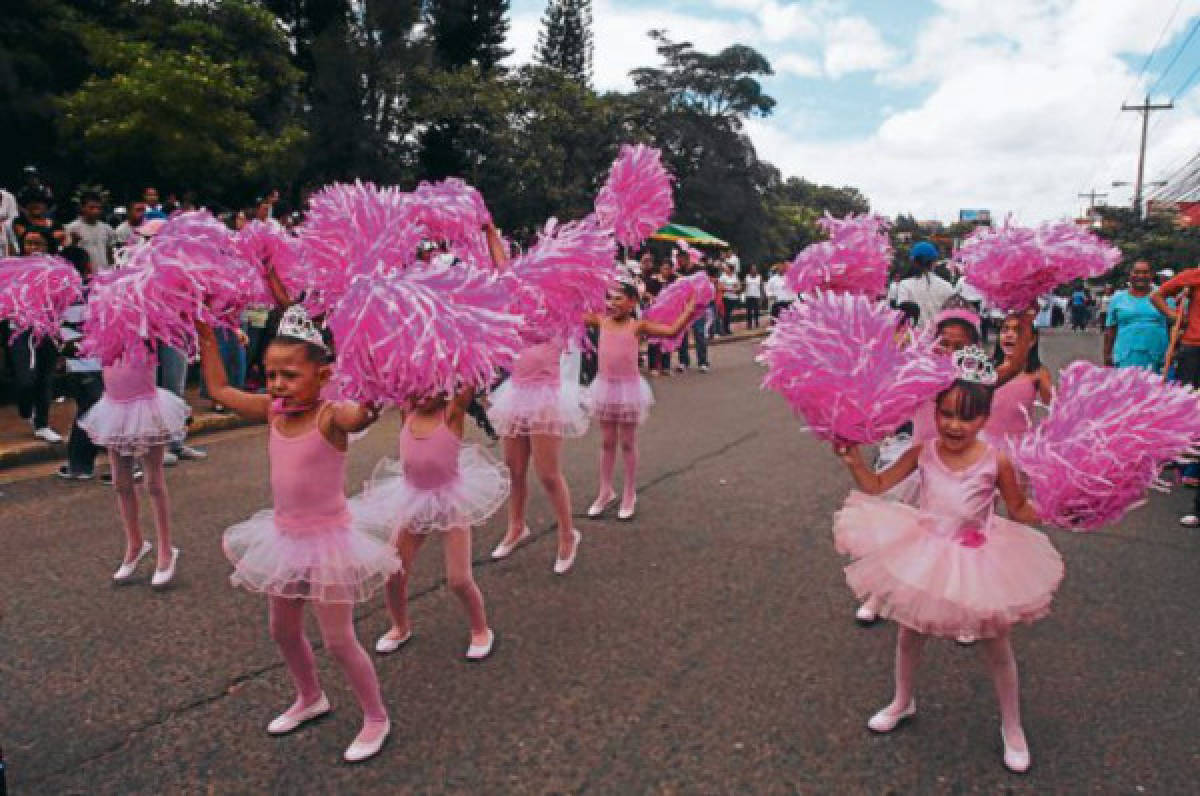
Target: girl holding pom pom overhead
{"points": [[312, 548], [620, 399], [950, 566]]}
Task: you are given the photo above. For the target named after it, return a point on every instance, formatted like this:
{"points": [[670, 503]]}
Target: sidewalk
{"points": [[18, 446]]}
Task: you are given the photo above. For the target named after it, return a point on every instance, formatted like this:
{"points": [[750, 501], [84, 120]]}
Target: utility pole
{"points": [[1092, 196], [1145, 109]]}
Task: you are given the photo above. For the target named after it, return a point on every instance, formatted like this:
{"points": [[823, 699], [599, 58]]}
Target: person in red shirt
{"points": [[1187, 355]]}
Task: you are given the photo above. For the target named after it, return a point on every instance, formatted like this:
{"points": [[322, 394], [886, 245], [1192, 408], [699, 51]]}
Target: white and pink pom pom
{"points": [[431, 329], [271, 247], [855, 259], [454, 212], [836, 359], [1107, 437], [636, 200], [673, 300], [35, 291], [563, 276], [1013, 266]]}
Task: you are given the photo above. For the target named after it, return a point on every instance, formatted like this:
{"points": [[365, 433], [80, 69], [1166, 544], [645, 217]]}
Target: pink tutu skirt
{"points": [[975, 580], [337, 561], [556, 410], [390, 503], [130, 428], [618, 400]]}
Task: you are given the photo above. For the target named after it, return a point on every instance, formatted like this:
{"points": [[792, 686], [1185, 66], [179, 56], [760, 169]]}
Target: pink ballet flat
{"points": [[563, 565], [286, 722], [505, 549], [364, 750], [886, 721], [1015, 760], [386, 645], [127, 568], [625, 513], [479, 652], [600, 506]]}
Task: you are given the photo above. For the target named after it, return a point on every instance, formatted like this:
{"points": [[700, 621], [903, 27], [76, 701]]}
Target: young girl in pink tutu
{"points": [[437, 484], [312, 548], [619, 399], [950, 566], [135, 419]]}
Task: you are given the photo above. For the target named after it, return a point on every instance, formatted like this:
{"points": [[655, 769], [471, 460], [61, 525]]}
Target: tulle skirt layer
{"points": [[519, 410], [618, 400], [390, 503], [979, 581], [339, 563], [130, 428]]}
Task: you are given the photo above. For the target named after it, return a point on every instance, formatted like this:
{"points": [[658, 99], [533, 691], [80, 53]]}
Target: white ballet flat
{"points": [[600, 506], [1015, 760], [164, 576], [626, 514], [478, 652], [885, 721], [365, 750], [285, 723], [126, 570], [387, 645], [864, 615], [563, 565], [505, 549]]}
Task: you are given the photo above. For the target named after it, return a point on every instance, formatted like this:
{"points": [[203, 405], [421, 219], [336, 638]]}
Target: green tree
{"points": [[1158, 239], [565, 40], [468, 33]]}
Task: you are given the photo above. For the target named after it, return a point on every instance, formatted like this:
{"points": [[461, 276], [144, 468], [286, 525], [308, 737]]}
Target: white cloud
{"points": [[855, 45], [797, 64]]}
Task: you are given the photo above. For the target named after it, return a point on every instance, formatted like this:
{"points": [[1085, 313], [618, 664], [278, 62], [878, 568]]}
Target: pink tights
{"points": [[545, 452], [1001, 663], [456, 547], [127, 502], [623, 435], [286, 621]]}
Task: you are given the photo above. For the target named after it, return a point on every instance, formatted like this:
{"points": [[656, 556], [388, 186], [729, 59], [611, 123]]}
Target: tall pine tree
{"points": [[468, 32], [565, 40]]}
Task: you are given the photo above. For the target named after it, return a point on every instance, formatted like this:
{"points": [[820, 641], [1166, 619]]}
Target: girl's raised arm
{"points": [[496, 247], [251, 406], [655, 329], [868, 480]]}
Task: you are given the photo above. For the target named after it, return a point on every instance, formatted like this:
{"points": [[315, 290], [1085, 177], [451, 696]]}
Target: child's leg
{"points": [[127, 503], [516, 456], [156, 485], [337, 629], [396, 591], [457, 549], [608, 461], [286, 623], [629, 454], [909, 645], [547, 455], [1002, 665]]}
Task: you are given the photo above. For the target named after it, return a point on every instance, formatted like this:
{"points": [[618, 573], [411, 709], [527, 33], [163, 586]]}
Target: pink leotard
{"points": [[1010, 404], [308, 478], [125, 382], [617, 355], [430, 462], [538, 365]]}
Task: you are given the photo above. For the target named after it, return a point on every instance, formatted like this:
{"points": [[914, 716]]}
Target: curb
{"points": [[33, 452]]}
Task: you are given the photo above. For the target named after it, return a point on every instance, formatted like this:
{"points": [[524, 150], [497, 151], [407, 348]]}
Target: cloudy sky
{"points": [[930, 106]]}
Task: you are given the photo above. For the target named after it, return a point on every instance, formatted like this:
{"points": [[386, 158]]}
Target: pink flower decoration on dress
{"points": [[971, 535]]}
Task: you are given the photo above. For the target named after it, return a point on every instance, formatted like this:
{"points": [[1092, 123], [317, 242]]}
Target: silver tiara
{"points": [[973, 364], [296, 323]]}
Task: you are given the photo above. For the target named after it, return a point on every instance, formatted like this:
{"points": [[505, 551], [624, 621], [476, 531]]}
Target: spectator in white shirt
{"points": [[126, 231], [778, 291], [923, 287], [91, 234], [731, 289], [752, 292], [9, 210]]}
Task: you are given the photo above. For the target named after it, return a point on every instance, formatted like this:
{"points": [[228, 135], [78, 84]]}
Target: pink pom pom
{"points": [[836, 359], [35, 291], [454, 212], [1102, 446], [428, 330], [855, 259], [1013, 266], [636, 199], [270, 246], [565, 275], [351, 229], [672, 300]]}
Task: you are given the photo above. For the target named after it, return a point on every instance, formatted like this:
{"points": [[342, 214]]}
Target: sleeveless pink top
{"points": [[1007, 404], [617, 355], [538, 365], [125, 382], [430, 462], [308, 478], [957, 499]]}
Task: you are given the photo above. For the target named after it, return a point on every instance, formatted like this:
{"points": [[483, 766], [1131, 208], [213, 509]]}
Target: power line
{"points": [[1158, 41], [1179, 52]]}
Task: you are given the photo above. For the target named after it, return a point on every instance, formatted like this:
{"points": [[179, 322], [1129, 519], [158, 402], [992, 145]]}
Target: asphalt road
{"points": [[706, 647]]}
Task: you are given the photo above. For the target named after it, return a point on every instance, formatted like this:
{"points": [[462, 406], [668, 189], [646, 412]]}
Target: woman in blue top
{"points": [[1135, 334]]}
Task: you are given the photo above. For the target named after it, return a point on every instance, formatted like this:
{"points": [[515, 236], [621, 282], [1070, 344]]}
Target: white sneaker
{"points": [[190, 454], [704, 368], [47, 434], [170, 459]]}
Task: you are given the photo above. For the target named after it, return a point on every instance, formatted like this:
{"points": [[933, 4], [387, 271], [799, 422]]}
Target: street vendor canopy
{"points": [[693, 235]]}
